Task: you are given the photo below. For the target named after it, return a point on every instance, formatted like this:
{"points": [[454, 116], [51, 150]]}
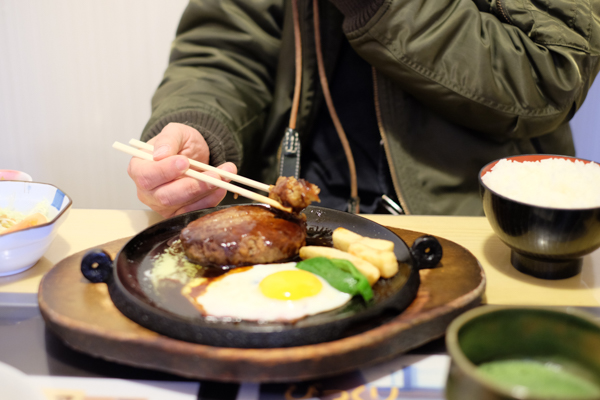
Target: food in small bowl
{"points": [[526, 353], [546, 208], [30, 215]]}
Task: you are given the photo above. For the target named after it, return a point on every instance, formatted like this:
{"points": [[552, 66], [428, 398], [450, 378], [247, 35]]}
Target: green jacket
{"points": [[458, 83]]}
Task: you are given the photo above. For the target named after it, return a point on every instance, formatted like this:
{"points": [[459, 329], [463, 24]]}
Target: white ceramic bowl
{"points": [[21, 249]]}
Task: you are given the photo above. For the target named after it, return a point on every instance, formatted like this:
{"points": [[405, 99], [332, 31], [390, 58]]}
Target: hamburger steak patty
{"points": [[243, 235]]}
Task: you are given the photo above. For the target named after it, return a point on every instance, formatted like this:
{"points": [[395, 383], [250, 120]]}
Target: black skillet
{"points": [[170, 314]]}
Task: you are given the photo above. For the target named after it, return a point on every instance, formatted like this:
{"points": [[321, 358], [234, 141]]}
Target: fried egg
{"points": [[266, 292]]}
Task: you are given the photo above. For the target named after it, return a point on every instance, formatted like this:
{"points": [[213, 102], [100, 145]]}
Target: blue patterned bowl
{"points": [[20, 250]]}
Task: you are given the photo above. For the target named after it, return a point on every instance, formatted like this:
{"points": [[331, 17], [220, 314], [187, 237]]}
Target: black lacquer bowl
{"points": [[547, 243], [170, 314]]}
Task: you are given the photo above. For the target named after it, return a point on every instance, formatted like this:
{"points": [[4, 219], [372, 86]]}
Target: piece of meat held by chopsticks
{"points": [[243, 235], [294, 193]]}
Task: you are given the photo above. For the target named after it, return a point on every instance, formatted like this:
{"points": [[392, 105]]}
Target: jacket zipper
{"points": [[386, 146], [503, 12]]}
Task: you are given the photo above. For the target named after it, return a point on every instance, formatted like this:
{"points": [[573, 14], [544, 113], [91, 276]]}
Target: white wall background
{"points": [[77, 75]]}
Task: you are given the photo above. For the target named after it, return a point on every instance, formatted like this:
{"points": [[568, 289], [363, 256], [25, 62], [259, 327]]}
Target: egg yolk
{"points": [[290, 285]]}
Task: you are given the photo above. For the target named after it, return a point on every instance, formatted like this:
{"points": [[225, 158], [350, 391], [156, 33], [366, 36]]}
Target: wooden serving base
{"points": [[84, 317]]}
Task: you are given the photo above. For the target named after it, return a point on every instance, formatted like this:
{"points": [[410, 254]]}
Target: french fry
{"points": [[378, 244], [385, 261], [343, 238], [367, 269]]}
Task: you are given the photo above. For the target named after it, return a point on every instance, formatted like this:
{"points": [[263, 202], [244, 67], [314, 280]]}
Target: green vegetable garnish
{"points": [[341, 274]]}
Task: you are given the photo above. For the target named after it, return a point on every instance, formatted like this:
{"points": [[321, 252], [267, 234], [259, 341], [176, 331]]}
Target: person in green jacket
{"points": [[397, 99]]}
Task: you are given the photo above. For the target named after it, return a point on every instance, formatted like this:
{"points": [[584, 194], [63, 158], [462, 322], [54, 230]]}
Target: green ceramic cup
{"points": [[526, 353]]}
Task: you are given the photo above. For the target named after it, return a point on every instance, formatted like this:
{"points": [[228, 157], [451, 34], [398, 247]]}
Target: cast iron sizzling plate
{"points": [[170, 314]]}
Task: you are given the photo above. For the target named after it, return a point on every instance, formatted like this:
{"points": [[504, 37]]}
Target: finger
{"points": [[228, 167], [167, 143], [182, 139], [149, 175], [181, 193]]}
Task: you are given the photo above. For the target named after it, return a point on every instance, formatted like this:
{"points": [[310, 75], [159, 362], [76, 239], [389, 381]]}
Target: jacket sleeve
{"points": [[505, 68], [220, 74]]}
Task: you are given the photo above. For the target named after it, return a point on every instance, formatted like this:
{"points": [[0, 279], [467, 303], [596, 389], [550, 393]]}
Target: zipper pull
{"points": [[353, 205], [289, 162]]}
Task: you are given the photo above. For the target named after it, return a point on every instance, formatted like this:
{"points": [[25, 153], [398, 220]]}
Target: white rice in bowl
{"points": [[551, 182]]}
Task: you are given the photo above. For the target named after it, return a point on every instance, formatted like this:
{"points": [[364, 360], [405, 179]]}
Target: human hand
{"points": [[162, 185]]}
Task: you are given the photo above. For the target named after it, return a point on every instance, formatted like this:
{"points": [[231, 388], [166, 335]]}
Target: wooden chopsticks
{"points": [[205, 167], [208, 179]]}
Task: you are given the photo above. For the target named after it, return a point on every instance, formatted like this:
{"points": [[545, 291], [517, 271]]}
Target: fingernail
{"points": [[161, 151], [181, 164]]}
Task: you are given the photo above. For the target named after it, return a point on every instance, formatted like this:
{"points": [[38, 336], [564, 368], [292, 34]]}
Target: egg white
{"points": [[237, 296]]}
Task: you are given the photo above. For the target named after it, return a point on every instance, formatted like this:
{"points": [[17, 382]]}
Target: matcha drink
{"points": [[541, 379]]}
